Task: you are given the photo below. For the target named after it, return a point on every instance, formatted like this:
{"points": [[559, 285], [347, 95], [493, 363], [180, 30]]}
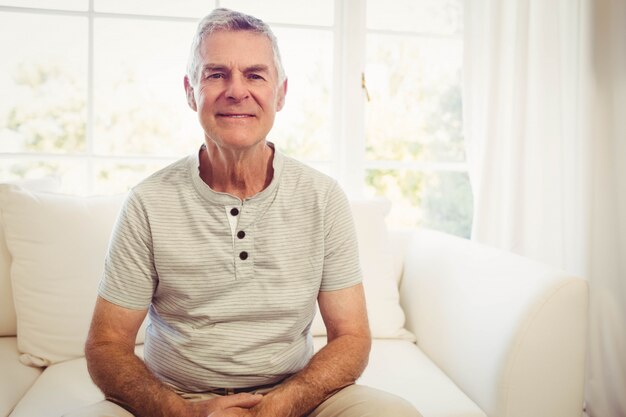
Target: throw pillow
{"points": [[57, 244], [8, 325]]}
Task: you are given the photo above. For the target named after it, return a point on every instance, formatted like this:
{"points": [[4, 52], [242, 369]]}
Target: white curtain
{"points": [[545, 126]]}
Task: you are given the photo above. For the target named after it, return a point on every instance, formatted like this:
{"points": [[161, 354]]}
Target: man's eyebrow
{"points": [[223, 68], [257, 68], [214, 67]]}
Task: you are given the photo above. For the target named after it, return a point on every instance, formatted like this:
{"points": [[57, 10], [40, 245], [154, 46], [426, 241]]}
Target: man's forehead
{"points": [[246, 48], [222, 41]]}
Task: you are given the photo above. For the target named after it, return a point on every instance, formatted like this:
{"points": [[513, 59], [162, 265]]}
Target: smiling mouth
{"points": [[234, 115]]}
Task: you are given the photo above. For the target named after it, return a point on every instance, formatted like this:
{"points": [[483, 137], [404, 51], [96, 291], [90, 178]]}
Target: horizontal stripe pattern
{"points": [[219, 319]]}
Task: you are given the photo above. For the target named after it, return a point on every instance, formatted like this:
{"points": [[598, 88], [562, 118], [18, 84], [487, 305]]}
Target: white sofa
{"points": [[487, 333]]}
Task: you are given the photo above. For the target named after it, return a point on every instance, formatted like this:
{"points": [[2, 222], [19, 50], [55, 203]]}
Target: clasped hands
{"points": [[236, 405]]}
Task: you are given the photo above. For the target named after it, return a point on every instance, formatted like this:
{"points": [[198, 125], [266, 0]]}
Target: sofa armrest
{"points": [[509, 331]]}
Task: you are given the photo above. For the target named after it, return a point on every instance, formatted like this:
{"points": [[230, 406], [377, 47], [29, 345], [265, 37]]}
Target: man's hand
{"points": [[226, 406]]}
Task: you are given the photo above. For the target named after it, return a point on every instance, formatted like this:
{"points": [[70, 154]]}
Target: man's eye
{"points": [[255, 77], [215, 76]]}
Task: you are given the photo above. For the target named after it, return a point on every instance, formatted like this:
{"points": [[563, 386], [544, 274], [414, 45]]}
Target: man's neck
{"points": [[239, 173]]}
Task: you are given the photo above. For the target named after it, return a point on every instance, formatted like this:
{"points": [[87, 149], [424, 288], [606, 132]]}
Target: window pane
{"points": [[72, 173], [112, 177], [184, 8], [436, 200], [304, 12], [140, 104], [44, 88], [415, 112], [77, 5], [420, 16], [303, 127]]}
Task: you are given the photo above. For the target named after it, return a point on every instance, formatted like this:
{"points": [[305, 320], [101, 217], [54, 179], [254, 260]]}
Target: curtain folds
{"points": [[545, 129]]}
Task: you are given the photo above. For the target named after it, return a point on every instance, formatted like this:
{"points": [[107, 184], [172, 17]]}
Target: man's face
{"points": [[238, 93]]}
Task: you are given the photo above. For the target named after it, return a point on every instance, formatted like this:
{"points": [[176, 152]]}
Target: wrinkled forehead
{"points": [[237, 47]]}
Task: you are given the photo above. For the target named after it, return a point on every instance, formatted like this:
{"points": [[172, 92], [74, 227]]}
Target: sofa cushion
{"points": [[57, 244], [400, 367], [16, 378], [381, 273], [8, 326], [395, 366], [61, 389]]}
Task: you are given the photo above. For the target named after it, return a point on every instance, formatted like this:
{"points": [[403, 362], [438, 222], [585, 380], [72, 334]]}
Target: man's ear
{"points": [[191, 98], [282, 92]]}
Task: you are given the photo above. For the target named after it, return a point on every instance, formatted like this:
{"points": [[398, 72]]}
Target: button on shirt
{"points": [[231, 296], [233, 214]]}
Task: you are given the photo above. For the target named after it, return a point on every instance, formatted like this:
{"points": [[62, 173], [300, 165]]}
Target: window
{"points": [[414, 151], [96, 95]]}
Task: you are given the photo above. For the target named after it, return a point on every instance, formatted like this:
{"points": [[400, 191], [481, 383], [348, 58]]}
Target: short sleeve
{"points": [[341, 254], [130, 277]]}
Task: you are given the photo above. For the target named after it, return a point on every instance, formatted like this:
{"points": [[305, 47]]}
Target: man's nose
{"points": [[236, 88]]}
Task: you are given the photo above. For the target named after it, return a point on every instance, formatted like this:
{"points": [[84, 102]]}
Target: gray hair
{"points": [[229, 20]]}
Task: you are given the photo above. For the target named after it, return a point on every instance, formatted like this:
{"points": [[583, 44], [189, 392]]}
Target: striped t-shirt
{"points": [[231, 285]]}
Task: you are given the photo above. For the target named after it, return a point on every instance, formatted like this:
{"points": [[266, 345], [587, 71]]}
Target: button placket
{"points": [[243, 245]]}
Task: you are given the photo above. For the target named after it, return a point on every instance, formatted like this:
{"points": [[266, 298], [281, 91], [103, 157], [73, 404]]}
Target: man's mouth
{"points": [[235, 115]]}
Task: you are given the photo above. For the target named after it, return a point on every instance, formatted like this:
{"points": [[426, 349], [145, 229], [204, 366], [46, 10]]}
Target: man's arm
{"points": [[125, 379], [334, 367]]}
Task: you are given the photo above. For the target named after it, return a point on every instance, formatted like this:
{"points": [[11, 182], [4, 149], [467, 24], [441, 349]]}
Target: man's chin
{"points": [[236, 143]]}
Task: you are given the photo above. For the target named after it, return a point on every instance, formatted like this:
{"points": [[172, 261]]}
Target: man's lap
{"points": [[352, 401]]}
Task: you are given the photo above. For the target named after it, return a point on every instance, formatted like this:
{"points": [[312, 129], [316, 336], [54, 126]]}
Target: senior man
{"points": [[228, 250]]}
